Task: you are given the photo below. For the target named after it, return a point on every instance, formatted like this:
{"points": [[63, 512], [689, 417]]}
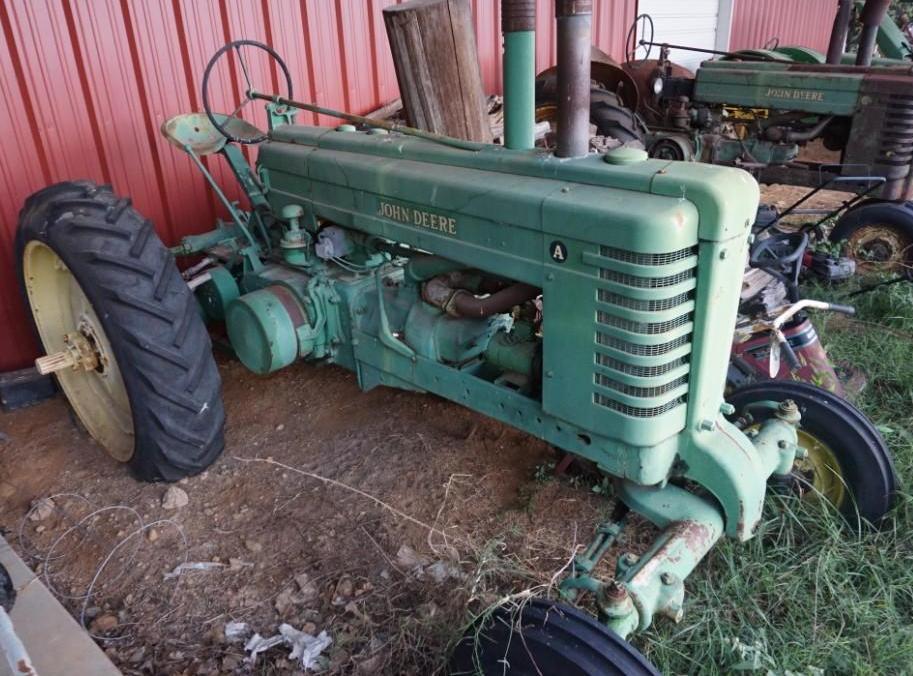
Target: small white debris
{"points": [[280, 427], [236, 631], [41, 509], [196, 565], [305, 647], [253, 546], [440, 571], [175, 498], [257, 644], [408, 558]]}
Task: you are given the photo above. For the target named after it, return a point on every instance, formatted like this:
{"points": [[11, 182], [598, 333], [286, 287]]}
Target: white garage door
{"points": [[683, 22]]}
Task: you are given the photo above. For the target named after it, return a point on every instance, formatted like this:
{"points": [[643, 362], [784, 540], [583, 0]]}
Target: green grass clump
{"points": [[808, 595]]}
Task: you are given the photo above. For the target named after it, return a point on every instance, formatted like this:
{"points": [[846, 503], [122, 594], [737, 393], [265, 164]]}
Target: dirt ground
{"points": [[438, 512], [456, 518]]}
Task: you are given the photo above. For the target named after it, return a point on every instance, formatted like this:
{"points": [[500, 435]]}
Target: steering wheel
{"points": [[780, 256], [631, 43], [231, 126]]}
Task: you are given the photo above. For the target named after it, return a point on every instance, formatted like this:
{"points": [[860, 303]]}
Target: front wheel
{"points": [[121, 329], [847, 464], [544, 637]]}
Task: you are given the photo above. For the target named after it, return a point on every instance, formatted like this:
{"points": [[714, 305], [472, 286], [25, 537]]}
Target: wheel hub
{"points": [[881, 247], [78, 350]]}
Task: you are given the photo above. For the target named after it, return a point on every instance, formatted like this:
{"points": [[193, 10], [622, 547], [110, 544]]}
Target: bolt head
{"points": [[667, 578], [629, 559]]}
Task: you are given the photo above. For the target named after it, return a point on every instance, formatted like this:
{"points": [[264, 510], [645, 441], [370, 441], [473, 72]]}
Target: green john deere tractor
{"points": [[588, 300]]}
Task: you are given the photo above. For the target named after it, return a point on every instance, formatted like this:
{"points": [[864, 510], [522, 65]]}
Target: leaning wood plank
{"points": [[437, 67]]}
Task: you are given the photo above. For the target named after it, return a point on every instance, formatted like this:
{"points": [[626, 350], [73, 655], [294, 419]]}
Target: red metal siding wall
{"points": [[87, 84], [794, 22]]}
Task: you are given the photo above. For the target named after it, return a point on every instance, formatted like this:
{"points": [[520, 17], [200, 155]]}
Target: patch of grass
{"points": [[807, 596]]}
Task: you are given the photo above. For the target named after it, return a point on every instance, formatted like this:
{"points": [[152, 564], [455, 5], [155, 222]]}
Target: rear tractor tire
{"points": [[848, 463], [121, 330], [878, 236]]}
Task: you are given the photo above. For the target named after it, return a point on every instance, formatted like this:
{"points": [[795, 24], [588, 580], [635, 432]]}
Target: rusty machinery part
{"points": [[445, 293], [573, 39], [240, 133], [608, 113], [543, 637], [676, 147], [122, 330], [644, 75], [606, 75], [847, 461], [878, 236], [518, 15], [632, 44]]}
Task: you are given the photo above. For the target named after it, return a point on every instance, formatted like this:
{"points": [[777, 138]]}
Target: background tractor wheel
{"points": [[848, 462], [879, 236], [121, 329], [607, 112], [544, 637]]}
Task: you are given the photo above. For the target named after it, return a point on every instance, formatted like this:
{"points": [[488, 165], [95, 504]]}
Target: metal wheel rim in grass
{"points": [[68, 325], [882, 248], [821, 470]]}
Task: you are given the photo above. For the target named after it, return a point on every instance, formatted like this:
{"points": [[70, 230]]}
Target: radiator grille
{"points": [[644, 353], [636, 411], [639, 282], [646, 258], [647, 328], [605, 296], [636, 391], [641, 371]]}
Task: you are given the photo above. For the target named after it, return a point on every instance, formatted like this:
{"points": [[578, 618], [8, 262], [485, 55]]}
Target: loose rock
{"points": [[41, 509], [253, 546], [175, 498], [104, 623]]}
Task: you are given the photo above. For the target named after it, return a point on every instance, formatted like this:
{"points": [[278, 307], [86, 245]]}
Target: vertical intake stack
{"points": [[872, 15], [574, 18], [518, 23]]}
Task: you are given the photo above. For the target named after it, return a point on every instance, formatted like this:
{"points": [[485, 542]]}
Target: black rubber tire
{"points": [[552, 639], [612, 118], [865, 461], [898, 215], [150, 317]]}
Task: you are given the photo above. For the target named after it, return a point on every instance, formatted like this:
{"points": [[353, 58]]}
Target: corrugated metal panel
{"points": [[756, 23], [86, 86]]}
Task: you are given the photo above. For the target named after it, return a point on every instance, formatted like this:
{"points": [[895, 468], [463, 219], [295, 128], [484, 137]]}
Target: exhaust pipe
{"points": [[872, 15], [518, 23], [574, 25], [837, 45]]}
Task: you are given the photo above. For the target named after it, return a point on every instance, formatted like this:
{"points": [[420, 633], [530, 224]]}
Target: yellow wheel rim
{"points": [[66, 319], [821, 469], [881, 248]]}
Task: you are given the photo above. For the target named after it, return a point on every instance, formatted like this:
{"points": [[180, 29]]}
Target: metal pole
{"points": [[871, 16], [837, 45], [518, 21], [574, 18]]}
